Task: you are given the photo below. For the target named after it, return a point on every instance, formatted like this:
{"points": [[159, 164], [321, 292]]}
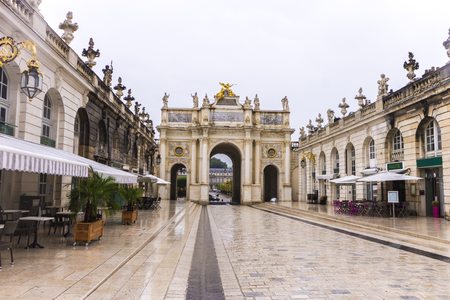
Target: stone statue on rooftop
{"points": [[319, 121], [310, 127], [343, 106], [447, 44], [136, 108], [383, 86], [195, 100], [330, 115], [107, 74], [206, 100], [361, 97], [302, 132], [285, 103], [165, 100], [69, 28], [256, 102]]}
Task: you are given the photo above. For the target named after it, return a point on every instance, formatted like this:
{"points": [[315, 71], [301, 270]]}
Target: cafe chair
{"points": [[23, 228], [8, 230], [58, 221], [352, 209]]}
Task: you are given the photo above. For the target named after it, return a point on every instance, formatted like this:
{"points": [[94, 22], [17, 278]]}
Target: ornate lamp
{"points": [[31, 81], [158, 159], [303, 163]]}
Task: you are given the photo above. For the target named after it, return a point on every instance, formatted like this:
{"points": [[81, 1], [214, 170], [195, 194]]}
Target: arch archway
{"points": [[270, 183], [234, 153], [174, 171]]}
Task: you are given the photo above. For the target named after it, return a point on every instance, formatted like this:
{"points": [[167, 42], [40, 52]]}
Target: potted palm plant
{"points": [[89, 195], [130, 195]]}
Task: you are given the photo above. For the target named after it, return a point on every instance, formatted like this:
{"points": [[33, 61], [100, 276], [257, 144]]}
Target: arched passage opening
{"points": [[270, 183], [235, 156], [177, 188]]}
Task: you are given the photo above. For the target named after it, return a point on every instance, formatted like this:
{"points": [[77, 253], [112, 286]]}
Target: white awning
{"points": [[326, 176], [369, 171], [388, 176], [25, 156], [153, 179], [346, 180]]}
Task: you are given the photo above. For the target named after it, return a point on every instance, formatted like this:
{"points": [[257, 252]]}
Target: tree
{"points": [[217, 163]]}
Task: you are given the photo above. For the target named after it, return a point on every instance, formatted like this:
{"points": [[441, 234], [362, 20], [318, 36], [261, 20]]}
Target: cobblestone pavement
{"points": [[269, 251], [275, 257]]}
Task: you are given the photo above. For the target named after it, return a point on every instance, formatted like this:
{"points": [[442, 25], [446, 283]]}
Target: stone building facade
{"points": [[405, 131], [77, 110], [258, 143]]}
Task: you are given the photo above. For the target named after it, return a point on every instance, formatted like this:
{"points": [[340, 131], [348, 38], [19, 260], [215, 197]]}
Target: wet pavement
{"points": [[268, 251]]}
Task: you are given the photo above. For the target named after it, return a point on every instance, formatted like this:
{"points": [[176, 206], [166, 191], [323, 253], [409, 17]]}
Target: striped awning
{"points": [[25, 156]]}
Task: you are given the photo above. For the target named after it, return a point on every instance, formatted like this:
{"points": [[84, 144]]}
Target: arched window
{"points": [[433, 145], [335, 158], [4, 103], [397, 146], [324, 165], [76, 135], [353, 160], [47, 123], [372, 154]]}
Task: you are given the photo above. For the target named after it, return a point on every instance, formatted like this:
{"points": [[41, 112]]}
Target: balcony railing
{"points": [[7, 128], [397, 155], [48, 142]]}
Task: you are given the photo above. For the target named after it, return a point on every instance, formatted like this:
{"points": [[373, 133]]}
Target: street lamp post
{"points": [[32, 79]]}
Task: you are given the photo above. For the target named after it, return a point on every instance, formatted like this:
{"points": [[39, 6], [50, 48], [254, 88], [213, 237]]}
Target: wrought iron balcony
{"points": [[48, 142], [7, 128]]}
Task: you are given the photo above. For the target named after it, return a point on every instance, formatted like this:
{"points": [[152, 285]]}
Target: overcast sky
{"points": [[314, 52]]}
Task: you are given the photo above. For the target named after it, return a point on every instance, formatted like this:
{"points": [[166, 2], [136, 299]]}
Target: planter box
{"points": [[85, 232], [129, 216]]}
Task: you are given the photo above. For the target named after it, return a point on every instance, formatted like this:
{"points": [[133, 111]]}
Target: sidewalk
{"points": [[437, 229], [60, 271]]}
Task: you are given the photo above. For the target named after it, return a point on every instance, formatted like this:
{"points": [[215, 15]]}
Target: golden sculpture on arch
{"points": [[225, 91]]}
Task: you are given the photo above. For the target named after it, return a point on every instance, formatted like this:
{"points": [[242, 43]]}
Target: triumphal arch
{"points": [[257, 141]]}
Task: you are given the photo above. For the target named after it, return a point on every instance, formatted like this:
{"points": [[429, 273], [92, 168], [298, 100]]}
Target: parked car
{"points": [[213, 197]]}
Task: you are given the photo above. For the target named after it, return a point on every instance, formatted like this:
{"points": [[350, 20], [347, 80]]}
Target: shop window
{"points": [[336, 162], [353, 160]]}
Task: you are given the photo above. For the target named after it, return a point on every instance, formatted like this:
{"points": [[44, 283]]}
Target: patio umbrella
{"points": [[347, 180], [387, 176]]}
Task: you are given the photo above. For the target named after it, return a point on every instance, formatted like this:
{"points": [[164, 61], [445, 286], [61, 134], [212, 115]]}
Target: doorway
{"points": [[177, 178], [433, 186], [233, 155], [270, 183]]}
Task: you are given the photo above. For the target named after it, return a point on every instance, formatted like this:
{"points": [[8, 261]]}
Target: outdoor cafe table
{"points": [[36, 220]]}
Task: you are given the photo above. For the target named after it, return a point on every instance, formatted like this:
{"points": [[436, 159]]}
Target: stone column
{"points": [[258, 162], [204, 185], [162, 149], [194, 161]]}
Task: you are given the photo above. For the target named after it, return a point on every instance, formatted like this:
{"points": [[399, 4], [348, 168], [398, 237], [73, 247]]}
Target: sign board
{"points": [[395, 166], [392, 196]]}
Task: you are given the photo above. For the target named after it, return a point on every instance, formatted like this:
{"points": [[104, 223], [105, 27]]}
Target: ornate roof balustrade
{"points": [[56, 42], [368, 110], [21, 8], [84, 69]]}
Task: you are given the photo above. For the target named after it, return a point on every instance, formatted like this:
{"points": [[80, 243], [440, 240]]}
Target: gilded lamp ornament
{"points": [[32, 79]]}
